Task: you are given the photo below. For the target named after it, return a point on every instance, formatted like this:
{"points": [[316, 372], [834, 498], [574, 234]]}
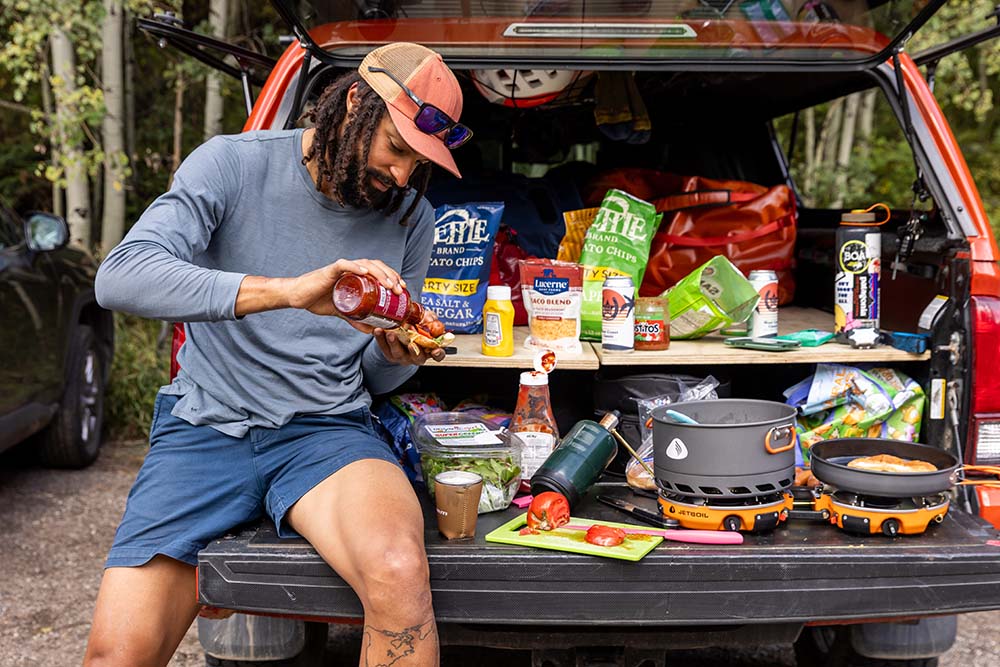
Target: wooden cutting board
{"points": [[633, 548]]}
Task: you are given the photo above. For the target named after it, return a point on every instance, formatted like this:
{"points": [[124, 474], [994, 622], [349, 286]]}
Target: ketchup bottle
{"points": [[363, 299]]}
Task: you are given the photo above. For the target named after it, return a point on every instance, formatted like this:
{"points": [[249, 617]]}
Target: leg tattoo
{"points": [[401, 644]]}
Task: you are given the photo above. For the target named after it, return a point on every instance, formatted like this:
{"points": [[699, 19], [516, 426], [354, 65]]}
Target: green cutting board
{"points": [[633, 548]]}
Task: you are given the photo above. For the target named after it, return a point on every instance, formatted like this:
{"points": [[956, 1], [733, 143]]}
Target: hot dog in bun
{"points": [[423, 336]]}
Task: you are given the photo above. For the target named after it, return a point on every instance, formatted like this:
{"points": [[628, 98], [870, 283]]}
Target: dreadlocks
{"points": [[342, 161]]}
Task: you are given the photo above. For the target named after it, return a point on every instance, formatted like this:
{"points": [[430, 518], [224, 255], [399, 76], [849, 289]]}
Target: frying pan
{"points": [[830, 459]]}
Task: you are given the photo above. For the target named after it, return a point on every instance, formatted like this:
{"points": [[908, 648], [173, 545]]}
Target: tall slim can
{"points": [[764, 319], [618, 314]]}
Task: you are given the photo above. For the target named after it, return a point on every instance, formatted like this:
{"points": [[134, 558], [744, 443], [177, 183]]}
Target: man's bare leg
{"points": [[365, 521], [142, 614]]}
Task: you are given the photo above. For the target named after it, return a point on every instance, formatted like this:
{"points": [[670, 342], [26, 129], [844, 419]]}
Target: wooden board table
{"points": [[470, 355], [711, 350]]}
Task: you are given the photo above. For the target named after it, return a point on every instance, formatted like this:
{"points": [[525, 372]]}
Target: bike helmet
{"points": [[524, 88]]}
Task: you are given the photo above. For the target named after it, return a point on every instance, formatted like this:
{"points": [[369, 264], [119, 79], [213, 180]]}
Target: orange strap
{"points": [[700, 198], [739, 237]]}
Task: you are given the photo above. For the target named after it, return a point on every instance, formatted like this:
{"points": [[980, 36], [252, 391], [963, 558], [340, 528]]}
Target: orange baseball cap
{"points": [[422, 71]]}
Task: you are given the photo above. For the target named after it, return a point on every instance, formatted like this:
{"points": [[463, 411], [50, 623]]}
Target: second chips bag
{"points": [[617, 244]]}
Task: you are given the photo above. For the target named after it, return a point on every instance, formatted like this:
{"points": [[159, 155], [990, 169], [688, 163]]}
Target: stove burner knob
{"points": [[890, 527], [732, 523]]}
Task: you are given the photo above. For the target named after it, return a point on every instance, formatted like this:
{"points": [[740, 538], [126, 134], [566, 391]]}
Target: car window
{"points": [[849, 152], [10, 229], [820, 31]]}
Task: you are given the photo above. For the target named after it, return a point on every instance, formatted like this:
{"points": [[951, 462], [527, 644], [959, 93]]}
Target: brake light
{"points": [[984, 431], [175, 346]]}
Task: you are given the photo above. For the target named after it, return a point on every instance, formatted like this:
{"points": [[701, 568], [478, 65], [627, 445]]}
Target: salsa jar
{"points": [[652, 323]]}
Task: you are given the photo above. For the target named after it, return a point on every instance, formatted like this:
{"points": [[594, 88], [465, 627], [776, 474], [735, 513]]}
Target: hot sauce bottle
{"points": [[363, 299], [533, 421]]}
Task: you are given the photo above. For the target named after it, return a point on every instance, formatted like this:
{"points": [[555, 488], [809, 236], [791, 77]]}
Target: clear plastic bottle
{"points": [[498, 322], [533, 422]]}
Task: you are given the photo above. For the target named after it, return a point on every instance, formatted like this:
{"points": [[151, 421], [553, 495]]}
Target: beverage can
{"points": [[764, 319], [618, 314]]}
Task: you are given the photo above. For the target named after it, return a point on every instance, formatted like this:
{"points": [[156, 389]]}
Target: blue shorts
{"points": [[197, 483]]}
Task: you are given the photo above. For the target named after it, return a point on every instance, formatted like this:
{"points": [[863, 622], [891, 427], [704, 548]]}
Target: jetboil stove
{"points": [[754, 514], [857, 501], [867, 514]]}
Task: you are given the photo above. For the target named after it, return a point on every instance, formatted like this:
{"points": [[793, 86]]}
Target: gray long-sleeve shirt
{"points": [[245, 205]]}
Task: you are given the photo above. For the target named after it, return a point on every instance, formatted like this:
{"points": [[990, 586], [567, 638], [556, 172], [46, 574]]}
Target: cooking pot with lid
{"points": [[739, 448]]}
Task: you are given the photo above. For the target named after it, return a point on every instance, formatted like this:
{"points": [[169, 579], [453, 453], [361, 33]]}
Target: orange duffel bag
{"points": [[752, 225]]}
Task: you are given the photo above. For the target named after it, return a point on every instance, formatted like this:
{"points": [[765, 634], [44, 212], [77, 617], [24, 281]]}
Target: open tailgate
{"points": [[802, 572]]}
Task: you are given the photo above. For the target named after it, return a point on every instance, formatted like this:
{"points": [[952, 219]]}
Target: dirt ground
{"points": [[59, 525]]}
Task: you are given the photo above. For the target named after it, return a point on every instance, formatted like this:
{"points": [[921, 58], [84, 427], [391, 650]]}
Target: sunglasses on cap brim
{"points": [[430, 119]]}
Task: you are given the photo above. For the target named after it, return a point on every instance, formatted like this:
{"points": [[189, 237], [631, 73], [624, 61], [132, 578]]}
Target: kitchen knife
{"points": [[640, 513], [676, 535]]}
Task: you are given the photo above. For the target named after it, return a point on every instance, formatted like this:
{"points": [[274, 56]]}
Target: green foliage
{"points": [[968, 90], [140, 368]]}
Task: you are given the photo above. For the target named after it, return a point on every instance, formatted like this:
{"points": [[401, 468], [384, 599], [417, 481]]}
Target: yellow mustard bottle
{"points": [[498, 322]]}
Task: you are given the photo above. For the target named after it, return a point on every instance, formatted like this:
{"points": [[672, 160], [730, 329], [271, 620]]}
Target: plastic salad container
{"points": [[457, 441]]}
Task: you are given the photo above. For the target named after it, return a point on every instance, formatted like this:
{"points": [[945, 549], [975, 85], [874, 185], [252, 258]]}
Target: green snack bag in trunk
{"points": [[617, 244], [713, 296]]}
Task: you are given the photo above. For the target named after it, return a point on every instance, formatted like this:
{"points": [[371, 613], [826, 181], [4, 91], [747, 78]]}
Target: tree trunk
{"points": [[130, 92], [179, 85], [866, 124], [77, 190], [49, 108], [846, 147], [827, 148], [113, 128], [810, 154], [218, 15]]}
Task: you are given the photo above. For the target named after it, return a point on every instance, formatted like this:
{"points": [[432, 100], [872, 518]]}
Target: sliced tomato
{"points": [[548, 511], [605, 536]]}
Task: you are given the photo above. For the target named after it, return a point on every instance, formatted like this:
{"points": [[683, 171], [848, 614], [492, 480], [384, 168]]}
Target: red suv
{"points": [[732, 90]]}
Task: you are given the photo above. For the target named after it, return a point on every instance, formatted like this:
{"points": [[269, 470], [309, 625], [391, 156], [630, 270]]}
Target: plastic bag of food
{"points": [[552, 294], [845, 402], [616, 244], [577, 223], [635, 473], [713, 296], [395, 417], [459, 269]]}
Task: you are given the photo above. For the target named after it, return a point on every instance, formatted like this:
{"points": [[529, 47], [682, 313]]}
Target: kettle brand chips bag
{"points": [[617, 244], [459, 271]]}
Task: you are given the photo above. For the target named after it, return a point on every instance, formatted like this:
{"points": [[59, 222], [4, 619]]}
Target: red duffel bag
{"points": [[752, 225]]}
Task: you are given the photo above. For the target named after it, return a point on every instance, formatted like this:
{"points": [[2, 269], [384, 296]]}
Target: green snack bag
{"points": [[713, 296], [617, 244]]}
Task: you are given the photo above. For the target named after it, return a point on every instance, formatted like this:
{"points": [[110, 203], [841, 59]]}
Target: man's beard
{"points": [[369, 196]]}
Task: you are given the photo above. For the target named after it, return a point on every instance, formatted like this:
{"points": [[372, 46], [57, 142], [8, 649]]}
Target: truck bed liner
{"points": [[803, 571]]}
